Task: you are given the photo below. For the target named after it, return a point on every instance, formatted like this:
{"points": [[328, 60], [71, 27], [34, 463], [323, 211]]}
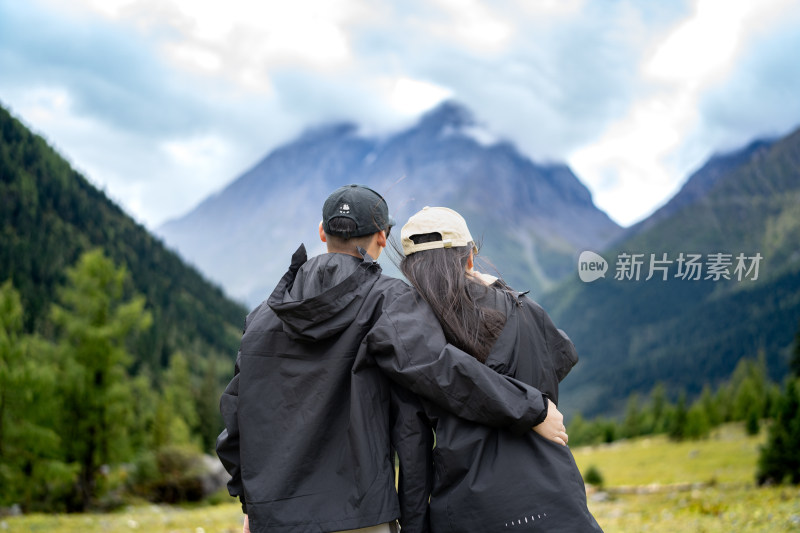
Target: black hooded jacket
{"points": [[491, 480], [310, 410]]}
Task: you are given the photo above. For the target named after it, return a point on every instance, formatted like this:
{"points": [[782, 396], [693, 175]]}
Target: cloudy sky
{"points": [[162, 102]]}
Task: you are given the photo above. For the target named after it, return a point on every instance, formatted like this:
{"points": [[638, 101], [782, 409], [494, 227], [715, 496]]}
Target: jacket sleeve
{"points": [[412, 439], [408, 345], [228, 440]]}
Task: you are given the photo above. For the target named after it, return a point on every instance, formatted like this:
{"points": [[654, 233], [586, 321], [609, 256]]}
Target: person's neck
{"points": [[354, 254], [373, 251]]}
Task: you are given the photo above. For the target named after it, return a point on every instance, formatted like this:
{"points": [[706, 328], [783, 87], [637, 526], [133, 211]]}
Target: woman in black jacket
{"points": [[487, 479]]}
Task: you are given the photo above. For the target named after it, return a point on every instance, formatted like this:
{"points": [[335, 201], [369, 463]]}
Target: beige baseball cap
{"points": [[448, 223]]}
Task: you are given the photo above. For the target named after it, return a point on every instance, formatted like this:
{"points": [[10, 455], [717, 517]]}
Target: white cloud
{"points": [[198, 154], [551, 7], [243, 40], [705, 46], [412, 97], [473, 24], [196, 56], [188, 93], [634, 166], [45, 104]]}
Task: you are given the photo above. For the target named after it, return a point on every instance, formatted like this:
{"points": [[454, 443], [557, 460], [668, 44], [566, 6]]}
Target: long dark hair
{"points": [[440, 277]]}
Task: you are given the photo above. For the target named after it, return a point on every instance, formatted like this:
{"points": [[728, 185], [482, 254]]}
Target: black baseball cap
{"points": [[366, 208]]}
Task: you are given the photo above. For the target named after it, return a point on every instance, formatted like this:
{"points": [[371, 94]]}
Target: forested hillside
{"points": [[113, 352], [50, 214], [685, 328]]}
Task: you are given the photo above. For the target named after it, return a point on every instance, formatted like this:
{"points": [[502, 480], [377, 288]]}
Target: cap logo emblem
{"points": [[344, 209]]}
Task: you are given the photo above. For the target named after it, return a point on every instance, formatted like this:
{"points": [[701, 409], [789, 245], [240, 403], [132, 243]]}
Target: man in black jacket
{"points": [[314, 403]]}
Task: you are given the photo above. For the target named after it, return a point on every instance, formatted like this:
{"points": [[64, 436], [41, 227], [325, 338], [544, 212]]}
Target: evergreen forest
{"points": [[113, 351]]}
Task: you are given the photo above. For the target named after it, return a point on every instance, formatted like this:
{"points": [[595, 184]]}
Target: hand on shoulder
{"points": [[486, 279]]}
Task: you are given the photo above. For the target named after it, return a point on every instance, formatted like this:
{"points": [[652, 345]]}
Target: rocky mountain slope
{"points": [[533, 219]]}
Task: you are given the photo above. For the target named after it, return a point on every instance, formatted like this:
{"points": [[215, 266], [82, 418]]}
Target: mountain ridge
{"points": [[633, 333], [544, 210], [700, 183]]}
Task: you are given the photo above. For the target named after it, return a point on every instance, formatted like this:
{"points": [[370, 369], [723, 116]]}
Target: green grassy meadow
{"points": [[650, 485]]}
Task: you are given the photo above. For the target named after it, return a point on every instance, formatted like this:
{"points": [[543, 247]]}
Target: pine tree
{"points": [[95, 322], [207, 401], [143, 412], [31, 471], [779, 460], [176, 413], [710, 405], [750, 389], [697, 424], [658, 408], [178, 390], [10, 351], [794, 364], [632, 425], [677, 423]]}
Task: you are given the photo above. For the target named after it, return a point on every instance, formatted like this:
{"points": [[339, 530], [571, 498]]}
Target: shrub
{"points": [[592, 476], [172, 474]]}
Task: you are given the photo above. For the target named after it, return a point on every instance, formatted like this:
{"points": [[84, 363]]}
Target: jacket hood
{"points": [[320, 297]]}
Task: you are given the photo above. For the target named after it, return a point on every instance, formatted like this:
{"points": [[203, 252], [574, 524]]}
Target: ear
{"points": [[322, 235], [381, 239], [470, 264]]}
